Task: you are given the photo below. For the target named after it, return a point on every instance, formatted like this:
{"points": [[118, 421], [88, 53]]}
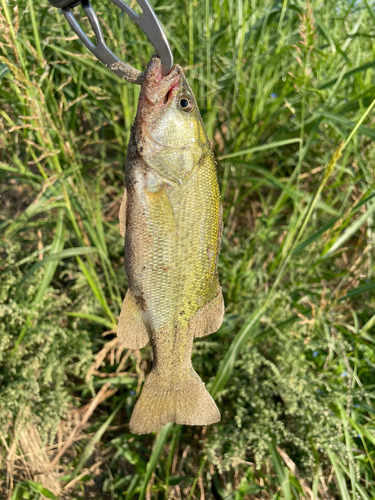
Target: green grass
{"points": [[286, 91]]}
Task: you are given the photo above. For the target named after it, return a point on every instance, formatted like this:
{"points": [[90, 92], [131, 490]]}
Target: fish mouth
{"points": [[160, 89], [171, 92]]}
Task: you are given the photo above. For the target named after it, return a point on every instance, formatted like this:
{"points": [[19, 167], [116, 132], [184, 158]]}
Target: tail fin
{"points": [[187, 403]]}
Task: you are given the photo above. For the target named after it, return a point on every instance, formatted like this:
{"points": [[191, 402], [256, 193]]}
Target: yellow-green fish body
{"points": [[172, 214]]}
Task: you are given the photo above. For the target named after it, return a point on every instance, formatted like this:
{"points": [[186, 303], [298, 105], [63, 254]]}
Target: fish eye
{"points": [[186, 103]]}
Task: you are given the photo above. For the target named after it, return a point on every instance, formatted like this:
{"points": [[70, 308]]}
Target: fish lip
{"points": [[154, 70], [160, 89]]}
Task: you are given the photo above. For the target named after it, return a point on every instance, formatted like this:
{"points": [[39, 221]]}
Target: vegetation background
{"points": [[286, 90]]}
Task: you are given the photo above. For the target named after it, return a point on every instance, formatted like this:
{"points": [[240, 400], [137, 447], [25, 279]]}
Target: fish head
{"points": [[170, 135]]}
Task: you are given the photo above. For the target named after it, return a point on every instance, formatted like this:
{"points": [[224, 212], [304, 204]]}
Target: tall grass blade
{"points": [[281, 471], [226, 366], [154, 458], [263, 147], [65, 254], [89, 449], [50, 267], [339, 476], [94, 319], [350, 231]]}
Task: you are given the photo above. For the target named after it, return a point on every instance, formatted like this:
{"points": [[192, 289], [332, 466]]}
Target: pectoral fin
{"points": [[208, 319], [122, 214], [131, 330]]}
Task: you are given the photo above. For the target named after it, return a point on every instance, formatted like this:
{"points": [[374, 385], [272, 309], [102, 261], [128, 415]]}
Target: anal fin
{"points": [[131, 330], [208, 319]]}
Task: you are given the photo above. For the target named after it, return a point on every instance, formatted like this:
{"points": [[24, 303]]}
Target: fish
{"points": [[171, 218]]}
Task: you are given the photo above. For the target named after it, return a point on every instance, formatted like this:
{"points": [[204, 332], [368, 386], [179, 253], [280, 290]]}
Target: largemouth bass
{"points": [[171, 218]]}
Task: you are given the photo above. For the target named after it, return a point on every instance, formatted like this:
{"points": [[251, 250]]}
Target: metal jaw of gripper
{"points": [[147, 21]]}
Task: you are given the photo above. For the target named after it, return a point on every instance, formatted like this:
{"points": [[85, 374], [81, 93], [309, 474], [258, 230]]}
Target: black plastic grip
{"points": [[64, 4]]}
